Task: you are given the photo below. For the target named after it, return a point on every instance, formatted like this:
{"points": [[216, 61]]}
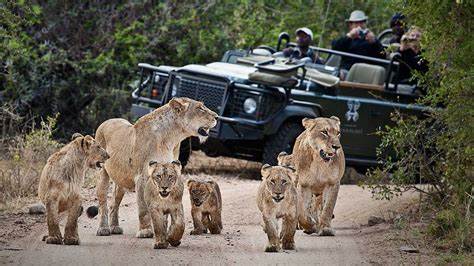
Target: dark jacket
{"points": [[357, 46], [410, 61], [297, 53]]}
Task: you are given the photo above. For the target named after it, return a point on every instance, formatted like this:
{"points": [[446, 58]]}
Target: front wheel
{"points": [[283, 140]]}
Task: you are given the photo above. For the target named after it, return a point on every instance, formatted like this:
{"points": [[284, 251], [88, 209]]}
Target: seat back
{"points": [[333, 61], [366, 73]]}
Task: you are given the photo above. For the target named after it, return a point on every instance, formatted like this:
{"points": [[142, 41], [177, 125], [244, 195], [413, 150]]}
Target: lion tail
{"points": [[92, 211]]}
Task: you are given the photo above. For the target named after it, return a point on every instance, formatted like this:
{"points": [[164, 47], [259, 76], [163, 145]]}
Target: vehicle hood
{"points": [[233, 72]]}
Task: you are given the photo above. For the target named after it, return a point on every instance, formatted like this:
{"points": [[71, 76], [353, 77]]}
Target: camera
{"points": [[363, 33]]}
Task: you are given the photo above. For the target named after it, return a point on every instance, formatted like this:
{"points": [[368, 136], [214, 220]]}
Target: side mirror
{"points": [[281, 37]]}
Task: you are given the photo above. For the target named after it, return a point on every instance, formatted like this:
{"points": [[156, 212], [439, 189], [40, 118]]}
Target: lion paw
{"points": [[160, 245], [310, 231], [174, 243], [116, 230], [56, 240], [197, 232], [327, 231], [288, 245], [103, 231], [145, 233], [272, 248], [71, 241]]}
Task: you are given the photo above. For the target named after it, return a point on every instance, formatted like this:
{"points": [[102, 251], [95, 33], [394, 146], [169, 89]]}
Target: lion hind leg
{"points": [[52, 217], [114, 211], [71, 236]]}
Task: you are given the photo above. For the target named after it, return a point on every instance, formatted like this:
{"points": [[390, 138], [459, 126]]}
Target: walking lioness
{"points": [[276, 199], [60, 185], [154, 137], [320, 163]]}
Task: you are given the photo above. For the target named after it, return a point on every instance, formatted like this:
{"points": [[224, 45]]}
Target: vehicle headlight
{"points": [[250, 105], [174, 89]]}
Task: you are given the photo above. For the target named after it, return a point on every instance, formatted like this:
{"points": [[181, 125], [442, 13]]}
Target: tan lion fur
{"points": [[154, 137], [60, 185], [206, 206], [163, 194], [320, 163], [277, 199]]}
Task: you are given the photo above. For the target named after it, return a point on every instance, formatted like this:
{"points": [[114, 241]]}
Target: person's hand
{"points": [[354, 33], [370, 37]]}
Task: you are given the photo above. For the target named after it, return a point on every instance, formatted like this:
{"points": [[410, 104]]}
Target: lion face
{"points": [[324, 135], [277, 180], [195, 117], [199, 191], [164, 176], [95, 154]]}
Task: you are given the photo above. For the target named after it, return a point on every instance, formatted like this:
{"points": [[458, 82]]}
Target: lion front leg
{"points": [[288, 232], [304, 216], [54, 233], [159, 227], [197, 221], [215, 225], [144, 230], [329, 202], [71, 236], [177, 227], [102, 190], [270, 229], [114, 210]]}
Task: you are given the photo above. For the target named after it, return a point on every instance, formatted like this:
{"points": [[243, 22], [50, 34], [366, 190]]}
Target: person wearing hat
{"points": [[359, 40], [304, 37], [398, 26]]}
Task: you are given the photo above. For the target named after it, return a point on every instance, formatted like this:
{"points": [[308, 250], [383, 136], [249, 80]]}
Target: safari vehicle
{"points": [[261, 99]]}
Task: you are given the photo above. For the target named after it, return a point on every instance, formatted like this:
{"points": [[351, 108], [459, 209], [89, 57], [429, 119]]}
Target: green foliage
{"points": [[62, 57], [438, 149]]}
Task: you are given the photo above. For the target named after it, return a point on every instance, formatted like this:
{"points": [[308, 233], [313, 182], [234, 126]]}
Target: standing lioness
{"points": [[60, 185], [131, 146], [320, 163]]}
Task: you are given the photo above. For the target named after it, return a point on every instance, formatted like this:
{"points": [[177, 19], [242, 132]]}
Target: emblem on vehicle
{"points": [[352, 107]]}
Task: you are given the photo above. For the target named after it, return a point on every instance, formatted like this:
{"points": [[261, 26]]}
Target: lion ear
{"points": [[292, 170], [281, 156], [265, 170], [307, 122], [86, 142], [76, 135], [151, 167], [190, 182], [178, 104], [335, 118], [177, 164]]}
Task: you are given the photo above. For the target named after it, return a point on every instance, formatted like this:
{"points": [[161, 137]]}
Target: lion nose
{"points": [[336, 147], [164, 188]]}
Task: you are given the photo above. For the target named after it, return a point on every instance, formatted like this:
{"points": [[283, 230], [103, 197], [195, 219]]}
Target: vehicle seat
{"points": [[367, 74], [333, 61]]}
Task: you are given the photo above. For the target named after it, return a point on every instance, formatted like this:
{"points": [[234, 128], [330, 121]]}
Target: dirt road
{"points": [[242, 240]]}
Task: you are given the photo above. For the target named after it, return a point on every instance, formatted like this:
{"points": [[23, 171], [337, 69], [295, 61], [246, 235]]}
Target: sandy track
{"points": [[242, 240]]}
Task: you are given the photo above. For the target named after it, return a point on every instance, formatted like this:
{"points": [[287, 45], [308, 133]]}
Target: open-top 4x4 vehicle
{"points": [[262, 97]]}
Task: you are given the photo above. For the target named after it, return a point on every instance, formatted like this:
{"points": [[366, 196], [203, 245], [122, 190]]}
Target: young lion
{"points": [[277, 199], [60, 185], [206, 206], [163, 194]]}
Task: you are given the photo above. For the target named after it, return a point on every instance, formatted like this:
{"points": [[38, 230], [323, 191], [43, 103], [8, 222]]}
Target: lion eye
{"points": [[325, 133], [283, 182], [272, 181]]}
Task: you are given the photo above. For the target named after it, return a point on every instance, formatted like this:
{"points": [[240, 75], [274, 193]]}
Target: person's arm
{"points": [[341, 44]]}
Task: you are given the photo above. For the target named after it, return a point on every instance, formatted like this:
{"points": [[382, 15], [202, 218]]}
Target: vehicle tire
{"points": [[185, 152], [283, 140]]}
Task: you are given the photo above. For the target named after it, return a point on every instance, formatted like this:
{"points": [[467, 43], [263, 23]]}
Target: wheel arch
{"points": [[293, 113]]}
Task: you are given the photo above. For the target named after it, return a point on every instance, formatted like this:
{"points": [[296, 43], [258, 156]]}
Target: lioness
{"points": [[155, 136], [163, 194], [60, 185], [206, 206], [320, 163], [277, 199]]}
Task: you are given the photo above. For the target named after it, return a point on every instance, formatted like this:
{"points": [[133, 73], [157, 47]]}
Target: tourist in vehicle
{"points": [[398, 26], [302, 51], [411, 59], [359, 40]]}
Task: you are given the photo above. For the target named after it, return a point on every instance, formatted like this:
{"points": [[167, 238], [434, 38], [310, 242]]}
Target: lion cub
{"points": [[163, 194], [206, 206], [277, 199], [60, 185]]}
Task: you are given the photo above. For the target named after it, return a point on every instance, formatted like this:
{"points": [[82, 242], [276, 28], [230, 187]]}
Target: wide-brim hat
{"points": [[357, 16], [305, 30]]}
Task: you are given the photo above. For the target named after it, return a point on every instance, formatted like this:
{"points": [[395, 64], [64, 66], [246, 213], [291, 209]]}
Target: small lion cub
{"points": [[206, 206], [276, 199], [60, 185], [163, 196]]}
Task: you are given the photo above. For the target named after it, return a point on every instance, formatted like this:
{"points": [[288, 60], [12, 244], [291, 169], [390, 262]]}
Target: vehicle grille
{"points": [[210, 92]]}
